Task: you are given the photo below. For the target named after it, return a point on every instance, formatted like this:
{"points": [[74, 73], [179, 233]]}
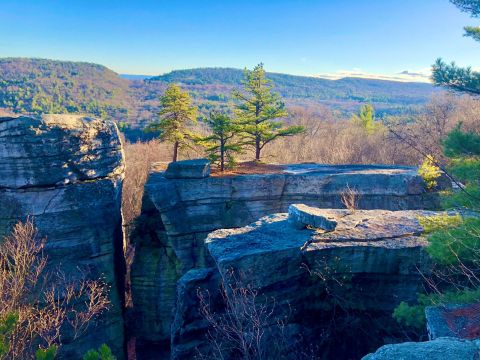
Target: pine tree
{"points": [[450, 75], [366, 118], [176, 114], [225, 139], [258, 110]]}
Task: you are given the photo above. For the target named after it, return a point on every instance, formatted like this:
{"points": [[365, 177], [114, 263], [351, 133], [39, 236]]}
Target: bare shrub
{"points": [[45, 304], [329, 140], [239, 332], [350, 198], [249, 327]]}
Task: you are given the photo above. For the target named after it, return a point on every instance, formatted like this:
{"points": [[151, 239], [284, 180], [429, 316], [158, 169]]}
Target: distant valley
{"points": [[47, 86]]}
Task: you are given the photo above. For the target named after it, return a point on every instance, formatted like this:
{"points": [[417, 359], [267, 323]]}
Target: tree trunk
{"points": [[257, 148], [175, 151], [222, 156]]}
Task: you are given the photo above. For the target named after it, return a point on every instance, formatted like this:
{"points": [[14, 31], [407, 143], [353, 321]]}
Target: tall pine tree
{"points": [[451, 76], [258, 110], [176, 114]]}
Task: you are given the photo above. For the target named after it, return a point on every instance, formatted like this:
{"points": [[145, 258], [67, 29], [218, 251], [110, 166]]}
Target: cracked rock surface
{"points": [[179, 213], [66, 173], [371, 261]]}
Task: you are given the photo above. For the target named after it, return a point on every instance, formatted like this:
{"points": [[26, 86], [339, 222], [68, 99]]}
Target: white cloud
{"points": [[422, 75]]}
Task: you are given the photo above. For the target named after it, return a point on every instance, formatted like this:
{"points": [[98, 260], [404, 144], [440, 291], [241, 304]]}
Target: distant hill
{"points": [[49, 86], [345, 95]]}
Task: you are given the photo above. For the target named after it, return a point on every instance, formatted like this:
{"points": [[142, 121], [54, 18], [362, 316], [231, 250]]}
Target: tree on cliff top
{"points": [[258, 110], [451, 76], [176, 114], [224, 141]]}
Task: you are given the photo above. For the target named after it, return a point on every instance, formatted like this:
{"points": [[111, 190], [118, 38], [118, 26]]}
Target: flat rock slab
{"points": [[439, 349], [460, 321], [302, 216], [188, 169], [57, 149]]}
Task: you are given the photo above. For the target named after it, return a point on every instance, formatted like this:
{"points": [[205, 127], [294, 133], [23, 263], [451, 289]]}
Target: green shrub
{"points": [[414, 315], [103, 353], [455, 245], [434, 223], [46, 354], [411, 316]]}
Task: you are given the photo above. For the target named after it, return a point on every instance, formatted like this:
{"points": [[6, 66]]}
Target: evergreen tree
{"points": [[449, 75], [176, 114], [225, 139], [366, 118], [258, 110]]}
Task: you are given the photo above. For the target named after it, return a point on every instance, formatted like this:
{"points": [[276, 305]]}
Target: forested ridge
{"points": [[29, 85]]}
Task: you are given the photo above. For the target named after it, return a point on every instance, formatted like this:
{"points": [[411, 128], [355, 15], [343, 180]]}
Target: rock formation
{"points": [[360, 270], [439, 349], [66, 173], [178, 213]]}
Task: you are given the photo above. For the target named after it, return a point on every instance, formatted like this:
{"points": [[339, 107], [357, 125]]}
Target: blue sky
{"points": [[303, 37]]}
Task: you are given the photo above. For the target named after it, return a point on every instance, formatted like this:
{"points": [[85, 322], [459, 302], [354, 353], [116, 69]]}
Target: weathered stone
{"points": [[439, 349], [371, 261], [188, 169], [57, 149], [460, 321], [179, 213], [302, 216], [66, 173]]}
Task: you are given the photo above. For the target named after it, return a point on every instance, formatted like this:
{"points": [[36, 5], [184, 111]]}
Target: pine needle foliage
{"points": [[459, 79], [259, 109], [224, 141], [176, 115]]}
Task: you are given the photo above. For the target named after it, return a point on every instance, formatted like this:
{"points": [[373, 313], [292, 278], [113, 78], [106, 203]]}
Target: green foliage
{"points": [[456, 245], [46, 86], [434, 223], [414, 315], [429, 172], [258, 109], [460, 143], [176, 114], [366, 119], [103, 353], [449, 75], [46, 354], [224, 141], [7, 325]]}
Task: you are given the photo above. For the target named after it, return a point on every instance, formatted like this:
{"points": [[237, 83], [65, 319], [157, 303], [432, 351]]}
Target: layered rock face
{"points": [[178, 213], [66, 173], [315, 281]]}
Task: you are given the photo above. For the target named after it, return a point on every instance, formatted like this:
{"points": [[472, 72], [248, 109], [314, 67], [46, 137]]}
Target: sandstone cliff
{"points": [[180, 210], [66, 172]]}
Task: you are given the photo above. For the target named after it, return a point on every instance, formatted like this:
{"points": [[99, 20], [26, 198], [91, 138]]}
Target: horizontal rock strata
{"points": [[178, 213], [371, 262], [66, 172]]}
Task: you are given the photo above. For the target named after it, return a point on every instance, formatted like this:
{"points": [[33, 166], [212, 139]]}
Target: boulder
{"points": [[460, 321], [188, 169], [302, 216], [362, 269], [66, 173], [444, 348]]}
